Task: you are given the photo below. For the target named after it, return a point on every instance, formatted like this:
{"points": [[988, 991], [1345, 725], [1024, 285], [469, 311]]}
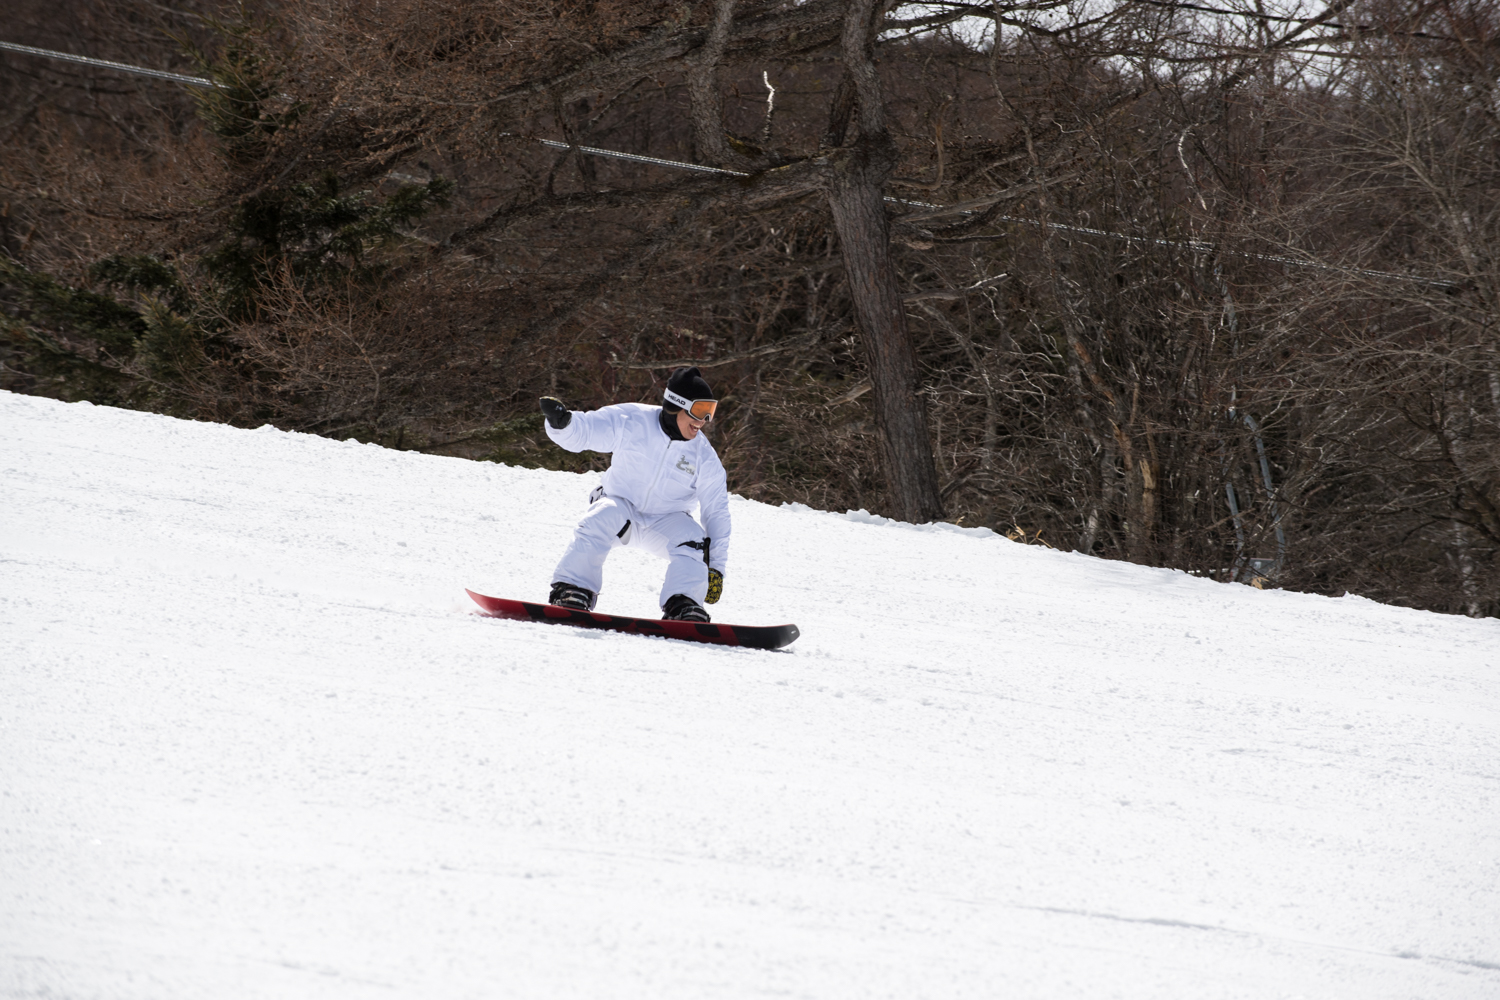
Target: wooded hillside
{"points": [[1200, 285]]}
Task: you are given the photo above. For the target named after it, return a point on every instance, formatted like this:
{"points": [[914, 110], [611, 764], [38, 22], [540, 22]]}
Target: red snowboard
{"points": [[752, 636]]}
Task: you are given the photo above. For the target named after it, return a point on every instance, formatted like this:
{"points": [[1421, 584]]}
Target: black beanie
{"points": [[689, 384]]}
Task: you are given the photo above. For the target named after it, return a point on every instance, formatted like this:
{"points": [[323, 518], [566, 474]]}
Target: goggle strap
{"points": [[693, 406]]}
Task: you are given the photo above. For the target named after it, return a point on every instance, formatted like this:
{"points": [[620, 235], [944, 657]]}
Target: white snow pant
{"points": [[611, 521]]}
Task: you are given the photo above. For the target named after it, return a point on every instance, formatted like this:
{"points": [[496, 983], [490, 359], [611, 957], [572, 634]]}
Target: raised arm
{"points": [[576, 430]]}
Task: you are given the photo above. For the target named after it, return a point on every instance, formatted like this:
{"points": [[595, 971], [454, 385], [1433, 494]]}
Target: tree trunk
{"points": [[856, 194]]}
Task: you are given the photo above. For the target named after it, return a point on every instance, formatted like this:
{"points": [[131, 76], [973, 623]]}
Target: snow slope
{"points": [[256, 743]]}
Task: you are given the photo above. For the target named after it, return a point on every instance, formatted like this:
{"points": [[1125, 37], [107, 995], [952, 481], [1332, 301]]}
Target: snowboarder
{"points": [[661, 466]]}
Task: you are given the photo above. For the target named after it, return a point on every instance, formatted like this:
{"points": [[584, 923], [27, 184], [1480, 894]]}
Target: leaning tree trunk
{"points": [[856, 196], [857, 172]]}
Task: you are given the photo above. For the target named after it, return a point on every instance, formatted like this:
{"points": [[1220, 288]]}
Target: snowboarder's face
{"points": [[687, 426]]}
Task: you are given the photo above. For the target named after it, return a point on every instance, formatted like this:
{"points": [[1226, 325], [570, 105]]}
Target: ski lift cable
{"points": [[160, 74], [198, 81], [1195, 246], [638, 158]]}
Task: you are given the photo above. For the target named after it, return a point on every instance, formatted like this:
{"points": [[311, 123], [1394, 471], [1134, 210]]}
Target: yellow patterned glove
{"points": [[715, 586]]}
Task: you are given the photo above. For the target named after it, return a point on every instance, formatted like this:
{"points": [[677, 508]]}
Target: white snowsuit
{"points": [[649, 491]]}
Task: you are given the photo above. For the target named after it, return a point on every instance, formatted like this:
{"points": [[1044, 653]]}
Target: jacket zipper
{"points": [[660, 464]]}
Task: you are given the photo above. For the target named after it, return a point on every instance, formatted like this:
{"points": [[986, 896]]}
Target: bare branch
{"points": [[953, 293], [706, 100], [803, 343]]}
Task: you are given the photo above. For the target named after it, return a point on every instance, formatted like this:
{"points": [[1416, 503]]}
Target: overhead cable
{"points": [[1194, 246], [160, 74], [638, 158]]}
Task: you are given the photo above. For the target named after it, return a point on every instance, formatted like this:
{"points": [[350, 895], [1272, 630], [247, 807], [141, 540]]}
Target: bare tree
{"points": [[1194, 285]]}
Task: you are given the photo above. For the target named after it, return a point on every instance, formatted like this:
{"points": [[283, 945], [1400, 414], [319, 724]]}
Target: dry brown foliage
{"points": [[1246, 328]]}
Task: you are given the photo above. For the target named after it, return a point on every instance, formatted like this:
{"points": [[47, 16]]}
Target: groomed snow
{"points": [[256, 742]]}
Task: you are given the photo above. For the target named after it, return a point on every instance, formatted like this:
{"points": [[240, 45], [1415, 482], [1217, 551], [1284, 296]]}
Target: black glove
{"points": [[556, 412], [715, 586]]}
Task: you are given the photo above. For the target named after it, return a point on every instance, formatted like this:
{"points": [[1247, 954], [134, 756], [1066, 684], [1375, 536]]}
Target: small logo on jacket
{"points": [[686, 466]]}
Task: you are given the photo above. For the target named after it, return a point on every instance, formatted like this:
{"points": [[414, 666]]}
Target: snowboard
{"points": [[750, 636]]}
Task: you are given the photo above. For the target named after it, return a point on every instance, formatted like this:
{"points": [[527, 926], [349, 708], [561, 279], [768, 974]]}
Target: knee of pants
{"points": [[687, 564], [605, 522]]}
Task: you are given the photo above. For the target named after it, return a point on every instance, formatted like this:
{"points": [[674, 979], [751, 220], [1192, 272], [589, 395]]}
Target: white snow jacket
{"points": [[657, 474]]}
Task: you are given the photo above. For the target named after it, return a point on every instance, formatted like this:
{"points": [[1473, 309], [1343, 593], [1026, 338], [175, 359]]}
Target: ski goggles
{"points": [[698, 409]]}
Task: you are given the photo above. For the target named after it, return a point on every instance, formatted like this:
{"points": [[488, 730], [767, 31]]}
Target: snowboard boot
{"points": [[681, 608], [566, 595]]}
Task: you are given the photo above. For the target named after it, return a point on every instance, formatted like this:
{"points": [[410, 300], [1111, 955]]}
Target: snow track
{"points": [[256, 743]]}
